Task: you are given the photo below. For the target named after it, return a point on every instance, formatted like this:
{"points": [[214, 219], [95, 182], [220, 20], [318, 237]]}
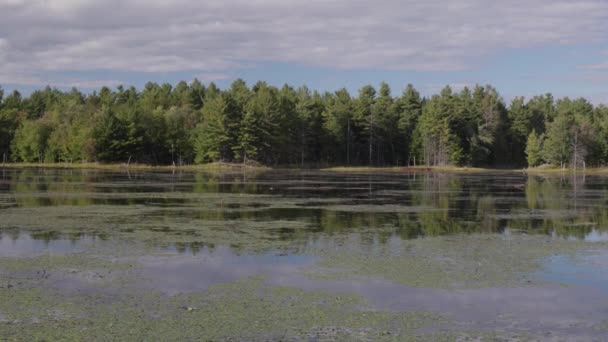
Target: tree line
{"points": [[197, 123]]}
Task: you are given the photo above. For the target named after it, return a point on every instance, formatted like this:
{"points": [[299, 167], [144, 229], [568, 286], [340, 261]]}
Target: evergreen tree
{"points": [[440, 146], [409, 108], [388, 138], [557, 148], [197, 94], [180, 123], [163, 124], [213, 138], [311, 137], [534, 148], [339, 123], [366, 120], [115, 139]]}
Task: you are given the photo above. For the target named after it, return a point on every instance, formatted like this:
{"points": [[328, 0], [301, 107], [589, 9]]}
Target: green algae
{"points": [[157, 226], [456, 262], [247, 310]]}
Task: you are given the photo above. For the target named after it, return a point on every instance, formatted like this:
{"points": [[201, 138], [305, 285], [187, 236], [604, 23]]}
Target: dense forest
{"points": [[197, 123]]}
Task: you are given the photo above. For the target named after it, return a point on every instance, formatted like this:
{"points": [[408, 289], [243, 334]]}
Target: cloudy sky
{"points": [[523, 47]]}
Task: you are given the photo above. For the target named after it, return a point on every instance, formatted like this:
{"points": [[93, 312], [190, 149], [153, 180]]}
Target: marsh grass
{"points": [[545, 170], [555, 170], [367, 169]]}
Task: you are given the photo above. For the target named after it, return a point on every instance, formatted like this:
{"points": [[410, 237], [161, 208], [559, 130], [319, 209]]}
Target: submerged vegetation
{"points": [[195, 123]]}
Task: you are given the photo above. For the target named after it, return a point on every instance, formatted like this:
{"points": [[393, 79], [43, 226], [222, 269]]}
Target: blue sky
{"points": [[520, 47]]}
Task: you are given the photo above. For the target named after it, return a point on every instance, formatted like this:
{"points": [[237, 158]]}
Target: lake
{"points": [[302, 256]]}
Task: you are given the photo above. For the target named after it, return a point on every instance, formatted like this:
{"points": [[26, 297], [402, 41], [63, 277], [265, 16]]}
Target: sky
{"points": [[522, 47]]}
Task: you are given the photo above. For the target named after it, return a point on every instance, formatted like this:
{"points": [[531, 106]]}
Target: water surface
{"points": [[444, 243]]}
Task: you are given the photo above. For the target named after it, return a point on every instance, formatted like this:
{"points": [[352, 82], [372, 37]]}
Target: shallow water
{"points": [[120, 234]]}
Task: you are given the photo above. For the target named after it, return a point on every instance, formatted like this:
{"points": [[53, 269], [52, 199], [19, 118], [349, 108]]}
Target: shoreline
{"points": [[464, 169], [236, 167], [354, 169], [211, 167]]}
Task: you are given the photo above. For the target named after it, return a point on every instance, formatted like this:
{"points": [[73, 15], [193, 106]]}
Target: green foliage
{"points": [[116, 140], [8, 125], [215, 134], [409, 108], [196, 123], [179, 125], [557, 146], [339, 124], [439, 142], [70, 143], [312, 140], [261, 128], [534, 148], [29, 144]]}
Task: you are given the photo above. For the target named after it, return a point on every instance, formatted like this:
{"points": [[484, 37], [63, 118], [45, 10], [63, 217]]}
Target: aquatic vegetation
{"points": [[245, 310], [157, 226], [455, 262]]}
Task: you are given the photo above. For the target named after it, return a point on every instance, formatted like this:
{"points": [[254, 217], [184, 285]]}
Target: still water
{"points": [[496, 255]]}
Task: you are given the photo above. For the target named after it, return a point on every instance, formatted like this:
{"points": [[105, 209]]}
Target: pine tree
{"points": [[557, 148], [214, 140], [409, 107], [534, 148]]}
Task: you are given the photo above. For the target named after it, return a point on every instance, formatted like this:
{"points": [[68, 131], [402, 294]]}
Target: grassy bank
{"points": [[559, 170], [238, 167], [532, 170], [211, 167], [356, 169]]}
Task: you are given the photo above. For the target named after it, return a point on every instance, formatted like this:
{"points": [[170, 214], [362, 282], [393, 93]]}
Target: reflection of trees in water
{"points": [[553, 205], [438, 192], [62, 187], [565, 207], [194, 247], [443, 203]]}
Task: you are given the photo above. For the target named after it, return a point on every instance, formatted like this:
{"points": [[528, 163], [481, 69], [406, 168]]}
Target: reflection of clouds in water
{"points": [[596, 236], [566, 311], [26, 246], [541, 308], [186, 273], [588, 270]]}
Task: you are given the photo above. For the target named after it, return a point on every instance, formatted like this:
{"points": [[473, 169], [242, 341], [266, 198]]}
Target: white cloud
{"points": [[210, 77], [68, 82], [217, 36]]}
